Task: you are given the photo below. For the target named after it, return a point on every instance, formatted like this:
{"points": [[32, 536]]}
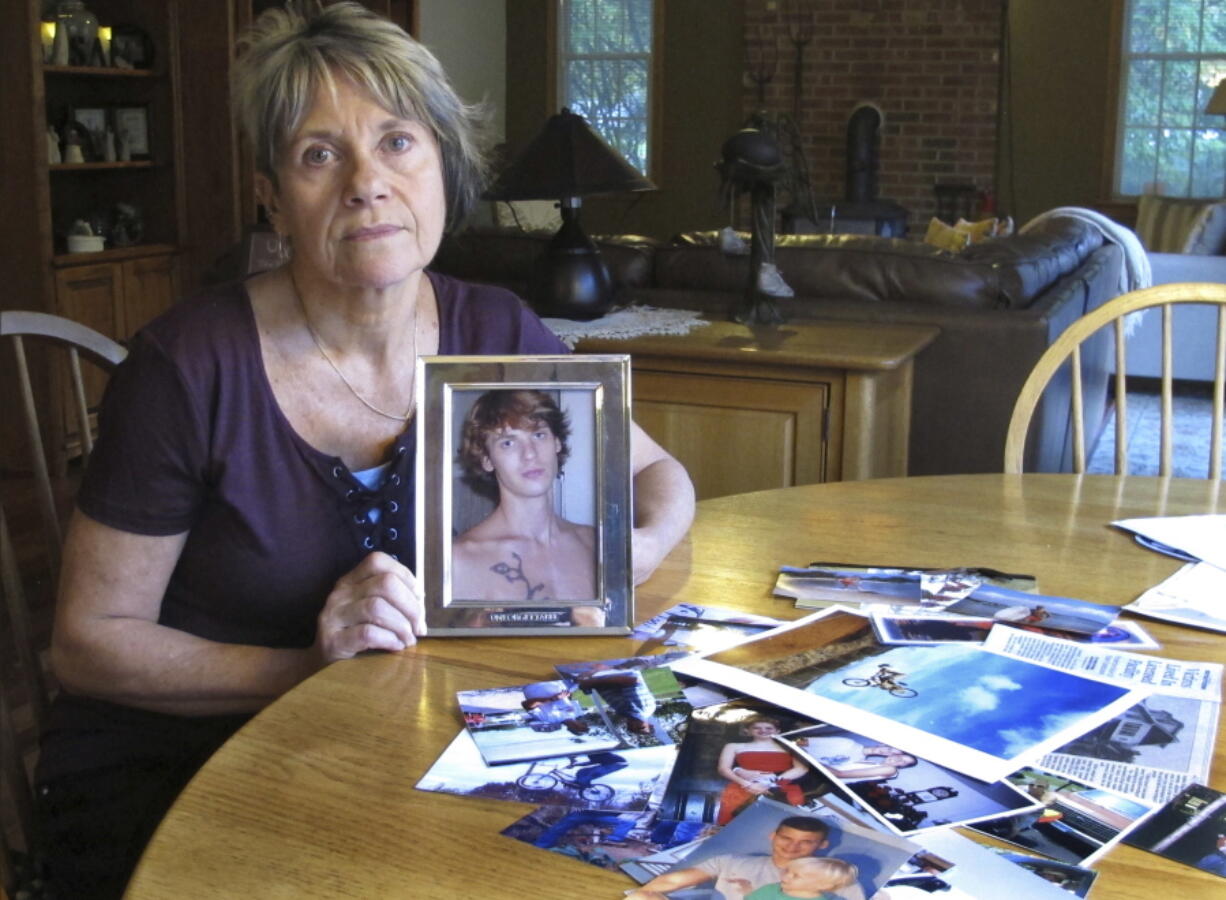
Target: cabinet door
{"points": [[735, 435], [91, 296], [148, 290]]}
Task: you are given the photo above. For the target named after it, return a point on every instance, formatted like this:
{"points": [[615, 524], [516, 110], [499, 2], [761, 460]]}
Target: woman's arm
{"points": [[663, 503], [107, 642]]}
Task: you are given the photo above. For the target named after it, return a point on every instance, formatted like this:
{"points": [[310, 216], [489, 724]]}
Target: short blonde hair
{"points": [[839, 871], [288, 54]]}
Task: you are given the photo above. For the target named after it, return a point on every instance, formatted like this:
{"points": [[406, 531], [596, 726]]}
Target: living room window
{"points": [[1173, 55], [605, 70]]}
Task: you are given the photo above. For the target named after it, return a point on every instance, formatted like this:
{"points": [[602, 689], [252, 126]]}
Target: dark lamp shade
{"points": [[1217, 102], [567, 159]]}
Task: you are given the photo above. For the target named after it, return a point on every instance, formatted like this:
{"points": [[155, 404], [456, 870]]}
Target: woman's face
{"points": [[360, 192], [523, 459], [763, 730]]}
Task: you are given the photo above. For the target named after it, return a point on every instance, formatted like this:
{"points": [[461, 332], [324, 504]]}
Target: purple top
{"points": [[192, 439]]}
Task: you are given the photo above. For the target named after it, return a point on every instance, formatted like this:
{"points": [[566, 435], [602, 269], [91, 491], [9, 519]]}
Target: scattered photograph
{"points": [[600, 779], [904, 792], [771, 851], [729, 758], [1069, 877], [633, 710], [953, 867], [534, 721], [1190, 829], [644, 705], [822, 584], [1019, 608], [894, 629], [694, 628], [1075, 822], [981, 713], [941, 628], [603, 839]]}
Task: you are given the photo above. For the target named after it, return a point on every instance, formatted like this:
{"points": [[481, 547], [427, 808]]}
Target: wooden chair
{"points": [[24, 692], [1067, 347]]}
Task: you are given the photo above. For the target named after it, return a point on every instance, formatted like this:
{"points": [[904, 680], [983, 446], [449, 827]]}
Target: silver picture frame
{"points": [[480, 574]]}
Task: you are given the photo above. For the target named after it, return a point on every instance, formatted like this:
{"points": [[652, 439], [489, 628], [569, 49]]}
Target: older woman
{"points": [[247, 516]]}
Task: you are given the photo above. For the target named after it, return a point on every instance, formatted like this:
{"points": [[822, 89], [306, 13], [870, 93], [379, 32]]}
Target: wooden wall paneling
{"points": [[215, 188]]}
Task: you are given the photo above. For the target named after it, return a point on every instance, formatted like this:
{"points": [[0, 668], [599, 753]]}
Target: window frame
{"points": [[1119, 57], [558, 57]]}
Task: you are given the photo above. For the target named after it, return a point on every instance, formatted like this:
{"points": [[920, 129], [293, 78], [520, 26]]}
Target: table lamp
{"points": [[1217, 100], [566, 162]]}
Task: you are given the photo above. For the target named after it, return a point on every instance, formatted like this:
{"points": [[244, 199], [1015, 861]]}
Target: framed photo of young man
{"points": [[523, 505]]}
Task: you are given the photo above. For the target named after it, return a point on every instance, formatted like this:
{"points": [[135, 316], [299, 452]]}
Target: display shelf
{"points": [[100, 71], [114, 254], [98, 166]]}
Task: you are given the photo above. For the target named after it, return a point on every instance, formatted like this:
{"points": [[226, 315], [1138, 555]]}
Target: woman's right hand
{"points": [[377, 606]]}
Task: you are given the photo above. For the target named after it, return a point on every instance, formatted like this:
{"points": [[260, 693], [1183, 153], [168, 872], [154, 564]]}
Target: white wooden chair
{"points": [[24, 691], [1067, 348]]}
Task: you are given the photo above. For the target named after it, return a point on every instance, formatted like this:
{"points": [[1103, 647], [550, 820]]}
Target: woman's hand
{"points": [[377, 606]]}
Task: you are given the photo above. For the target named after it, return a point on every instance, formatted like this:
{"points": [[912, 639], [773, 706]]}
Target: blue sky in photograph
{"points": [[983, 700]]}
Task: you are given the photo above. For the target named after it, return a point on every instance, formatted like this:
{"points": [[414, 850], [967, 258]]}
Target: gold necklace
{"points": [[408, 413]]}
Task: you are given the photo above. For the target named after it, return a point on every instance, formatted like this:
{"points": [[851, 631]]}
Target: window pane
{"points": [[1183, 26], [605, 65], [1213, 40], [1179, 93], [1139, 160], [1144, 92], [1174, 161], [1175, 52], [1147, 26]]}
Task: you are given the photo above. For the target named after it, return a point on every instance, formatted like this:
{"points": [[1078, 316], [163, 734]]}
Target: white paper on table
{"points": [[1201, 536], [1195, 595]]}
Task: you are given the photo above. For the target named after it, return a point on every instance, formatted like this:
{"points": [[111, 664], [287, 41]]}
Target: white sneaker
{"points": [[771, 283], [731, 243]]}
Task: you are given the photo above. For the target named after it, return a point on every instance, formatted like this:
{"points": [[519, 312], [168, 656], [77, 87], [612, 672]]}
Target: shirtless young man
{"points": [[523, 552]]}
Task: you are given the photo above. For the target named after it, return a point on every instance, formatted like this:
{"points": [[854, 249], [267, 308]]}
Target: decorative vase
{"points": [[59, 47], [81, 27]]}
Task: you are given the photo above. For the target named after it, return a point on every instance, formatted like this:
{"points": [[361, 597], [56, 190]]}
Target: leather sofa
{"points": [[999, 304]]}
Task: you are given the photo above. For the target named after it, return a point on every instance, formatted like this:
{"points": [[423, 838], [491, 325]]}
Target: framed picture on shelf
{"points": [[131, 125], [93, 120], [509, 445], [131, 48]]}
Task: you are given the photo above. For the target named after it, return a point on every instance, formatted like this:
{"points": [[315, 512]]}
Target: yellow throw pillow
{"points": [[978, 231], [946, 236]]}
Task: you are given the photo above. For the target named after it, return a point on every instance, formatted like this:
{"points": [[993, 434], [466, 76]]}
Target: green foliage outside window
{"points": [[1174, 56], [605, 70]]}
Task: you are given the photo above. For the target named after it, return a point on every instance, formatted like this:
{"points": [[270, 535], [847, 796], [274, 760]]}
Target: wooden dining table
{"points": [[315, 797]]}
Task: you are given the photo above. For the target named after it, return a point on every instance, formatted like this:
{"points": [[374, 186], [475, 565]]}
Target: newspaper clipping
{"points": [[1151, 750]]}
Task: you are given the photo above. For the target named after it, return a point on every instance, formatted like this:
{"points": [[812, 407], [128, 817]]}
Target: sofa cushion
{"points": [[1181, 224], [1006, 273]]}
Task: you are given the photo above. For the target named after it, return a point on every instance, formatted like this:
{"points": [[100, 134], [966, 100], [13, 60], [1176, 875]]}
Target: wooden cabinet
{"points": [[136, 198], [752, 409]]}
